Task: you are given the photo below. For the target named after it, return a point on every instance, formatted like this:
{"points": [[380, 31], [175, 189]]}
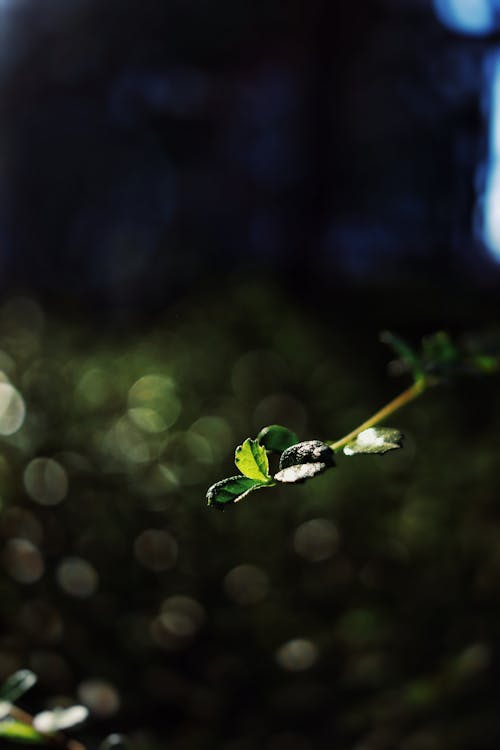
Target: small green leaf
{"points": [[16, 685], [17, 731], [439, 348], [232, 490], [486, 364], [276, 438], [441, 357], [375, 440], [304, 461], [407, 355], [251, 460]]}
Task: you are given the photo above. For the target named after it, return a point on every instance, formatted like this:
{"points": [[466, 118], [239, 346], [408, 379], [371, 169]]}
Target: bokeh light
{"points": [[246, 584], [297, 655], [46, 481], [179, 620], [77, 577], [12, 409], [183, 615], [316, 540], [467, 16], [156, 549], [216, 431], [94, 387], [152, 403], [23, 561], [100, 696]]}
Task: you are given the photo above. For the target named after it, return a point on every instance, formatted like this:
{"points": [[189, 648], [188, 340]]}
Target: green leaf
{"points": [[407, 355], [276, 438], [16, 685], [232, 490], [375, 440], [17, 731], [439, 348], [251, 460], [486, 364], [304, 461], [441, 357]]}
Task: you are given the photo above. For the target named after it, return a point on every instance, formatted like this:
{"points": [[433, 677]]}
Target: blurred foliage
{"points": [[360, 611]]}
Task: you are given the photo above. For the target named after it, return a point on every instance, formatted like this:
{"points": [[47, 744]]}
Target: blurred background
{"points": [[208, 212]]}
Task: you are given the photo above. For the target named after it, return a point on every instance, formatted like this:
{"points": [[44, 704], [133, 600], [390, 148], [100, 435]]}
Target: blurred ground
{"points": [[359, 611]]}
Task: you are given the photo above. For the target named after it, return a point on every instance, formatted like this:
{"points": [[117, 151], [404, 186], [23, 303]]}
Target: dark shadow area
{"points": [[147, 149]]}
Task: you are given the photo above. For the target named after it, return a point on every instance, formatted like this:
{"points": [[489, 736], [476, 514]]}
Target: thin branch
{"points": [[404, 398]]}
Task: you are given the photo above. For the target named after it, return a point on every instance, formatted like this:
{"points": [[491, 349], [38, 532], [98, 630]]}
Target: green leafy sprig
{"points": [[438, 360], [43, 729]]}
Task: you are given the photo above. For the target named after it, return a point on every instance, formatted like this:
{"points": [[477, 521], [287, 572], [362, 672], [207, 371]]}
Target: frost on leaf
{"points": [[377, 440], [304, 461]]}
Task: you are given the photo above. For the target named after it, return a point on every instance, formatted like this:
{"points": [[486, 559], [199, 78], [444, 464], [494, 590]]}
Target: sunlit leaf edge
{"points": [[234, 497]]}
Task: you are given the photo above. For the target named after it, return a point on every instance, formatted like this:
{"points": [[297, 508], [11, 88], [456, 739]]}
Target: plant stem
{"points": [[418, 387]]}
